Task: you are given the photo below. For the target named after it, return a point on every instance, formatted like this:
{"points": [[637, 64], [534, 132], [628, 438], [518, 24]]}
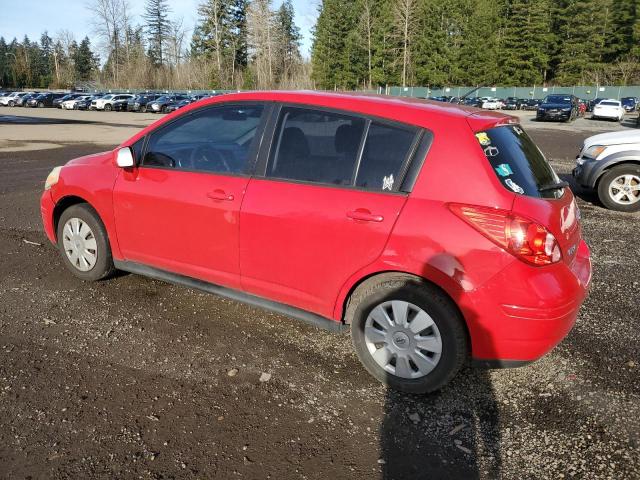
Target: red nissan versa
{"points": [[435, 232]]}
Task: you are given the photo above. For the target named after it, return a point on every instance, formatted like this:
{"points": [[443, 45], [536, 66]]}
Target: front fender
{"points": [[598, 167]]}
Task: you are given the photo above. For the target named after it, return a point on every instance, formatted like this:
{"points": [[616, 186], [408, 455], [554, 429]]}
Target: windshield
{"points": [[517, 162], [557, 99]]}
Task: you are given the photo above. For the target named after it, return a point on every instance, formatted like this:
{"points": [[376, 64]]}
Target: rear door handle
{"points": [[364, 215], [219, 194]]}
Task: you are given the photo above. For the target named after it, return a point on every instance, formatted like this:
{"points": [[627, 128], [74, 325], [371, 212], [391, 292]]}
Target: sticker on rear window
{"points": [[483, 138], [514, 186], [504, 170], [491, 151], [387, 182]]}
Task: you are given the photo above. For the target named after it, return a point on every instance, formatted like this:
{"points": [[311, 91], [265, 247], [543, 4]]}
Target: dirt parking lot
{"points": [[134, 378]]}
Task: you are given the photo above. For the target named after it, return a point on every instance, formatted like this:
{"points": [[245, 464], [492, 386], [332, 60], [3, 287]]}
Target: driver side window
{"points": [[216, 139]]}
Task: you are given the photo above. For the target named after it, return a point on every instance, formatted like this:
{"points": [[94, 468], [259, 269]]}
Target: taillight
{"points": [[523, 238]]}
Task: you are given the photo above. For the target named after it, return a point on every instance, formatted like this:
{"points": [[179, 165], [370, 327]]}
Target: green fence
{"points": [[536, 91]]}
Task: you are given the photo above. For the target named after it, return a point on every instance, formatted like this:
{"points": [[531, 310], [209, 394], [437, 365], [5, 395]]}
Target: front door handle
{"points": [[364, 215], [219, 194]]}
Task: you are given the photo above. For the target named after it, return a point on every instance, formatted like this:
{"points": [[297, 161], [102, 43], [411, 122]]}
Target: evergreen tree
{"points": [[84, 61], [620, 39], [158, 27], [288, 39]]}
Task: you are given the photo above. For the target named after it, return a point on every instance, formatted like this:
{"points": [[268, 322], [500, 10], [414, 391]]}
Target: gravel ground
{"points": [[134, 378]]}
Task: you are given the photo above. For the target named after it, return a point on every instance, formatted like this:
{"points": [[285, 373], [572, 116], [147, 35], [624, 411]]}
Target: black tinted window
{"points": [[518, 162], [316, 146], [385, 151], [214, 140]]}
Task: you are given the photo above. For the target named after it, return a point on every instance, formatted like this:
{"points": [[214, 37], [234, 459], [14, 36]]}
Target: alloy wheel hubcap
{"points": [[625, 189], [403, 339], [79, 244]]}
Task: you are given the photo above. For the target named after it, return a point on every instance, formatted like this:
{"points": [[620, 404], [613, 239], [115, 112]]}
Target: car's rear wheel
{"points": [[619, 188], [84, 244], [407, 333]]}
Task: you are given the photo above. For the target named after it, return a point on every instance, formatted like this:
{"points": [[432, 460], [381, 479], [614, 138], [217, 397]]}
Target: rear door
{"points": [[178, 210], [324, 206]]}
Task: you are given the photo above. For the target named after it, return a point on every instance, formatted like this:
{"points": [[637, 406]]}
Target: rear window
{"points": [[518, 162], [610, 104]]}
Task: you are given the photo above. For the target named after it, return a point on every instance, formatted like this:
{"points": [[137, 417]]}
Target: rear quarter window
{"points": [[518, 163]]}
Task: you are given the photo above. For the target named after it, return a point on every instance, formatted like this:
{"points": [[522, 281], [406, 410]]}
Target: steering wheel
{"points": [[205, 157]]}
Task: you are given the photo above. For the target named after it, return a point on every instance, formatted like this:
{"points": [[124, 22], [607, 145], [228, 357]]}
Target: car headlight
{"points": [[594, 151], [566, 109], [52, 178]]}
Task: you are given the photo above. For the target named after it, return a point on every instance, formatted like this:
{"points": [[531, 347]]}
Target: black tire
{"points": [[107, 107], [143, 109], [605, 182], [12, 103], [442, 310], [164, 109], [103, 267], [40, 105]]}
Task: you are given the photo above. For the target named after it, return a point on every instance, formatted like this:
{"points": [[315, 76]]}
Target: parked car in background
{"points": [[70, 96], [513, 103], [531, 104], [609, 163], [491, 104], [160, 105], [593, 103], [12, 99], [139, 102], [84, 103], [630, 104], [562, 108], [44, 99], [70, 103], [331, 197], [473, 102], [106, 102], [24, 101], [609, 109], [172, 107], [121, 104]]}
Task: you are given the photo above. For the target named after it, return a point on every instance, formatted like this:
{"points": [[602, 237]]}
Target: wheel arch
{"points": [[615, 162]]}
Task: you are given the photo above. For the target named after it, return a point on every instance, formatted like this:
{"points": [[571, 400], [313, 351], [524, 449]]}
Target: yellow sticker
{"points": [[483, 138]]}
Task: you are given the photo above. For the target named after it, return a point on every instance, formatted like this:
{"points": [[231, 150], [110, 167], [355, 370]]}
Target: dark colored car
{"points": [[172, 107], [531, 104], [70, 96], [160, 105], [562, 108], [338, 210], [472, 102], [139, 102], [84, 104], [45, 99], [120, 105], [513, 103], [593, 103], [630, 104]]}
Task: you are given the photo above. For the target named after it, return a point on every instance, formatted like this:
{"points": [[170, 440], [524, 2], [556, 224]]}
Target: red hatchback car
{"points": [[435, 232]]}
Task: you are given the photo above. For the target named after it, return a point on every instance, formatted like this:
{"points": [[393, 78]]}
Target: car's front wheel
{"points": [[84, 244], [12, 103], [40, 104], [619, 188], [407, 333], [107, 107]]}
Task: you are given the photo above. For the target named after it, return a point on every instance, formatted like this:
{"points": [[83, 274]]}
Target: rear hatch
{"points": [[540, 195]]}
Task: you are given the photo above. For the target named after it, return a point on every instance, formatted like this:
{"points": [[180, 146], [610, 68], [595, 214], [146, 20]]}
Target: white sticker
{"points": [[514, 186], [387, 182], [491, 151], [518, 130]]}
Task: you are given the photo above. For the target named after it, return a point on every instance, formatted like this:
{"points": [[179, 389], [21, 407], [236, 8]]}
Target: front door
{"points": [[179, 209], [324, 208]]}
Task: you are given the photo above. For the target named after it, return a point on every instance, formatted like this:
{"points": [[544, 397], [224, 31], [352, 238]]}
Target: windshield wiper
{"points": [[553, 186]]}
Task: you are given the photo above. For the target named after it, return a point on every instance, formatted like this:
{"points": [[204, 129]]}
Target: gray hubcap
{"points": [[625, 189], [403, 339], [79, 244]]}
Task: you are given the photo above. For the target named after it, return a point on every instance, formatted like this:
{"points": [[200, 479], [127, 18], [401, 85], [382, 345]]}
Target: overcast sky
{"points": [[32, 17]]}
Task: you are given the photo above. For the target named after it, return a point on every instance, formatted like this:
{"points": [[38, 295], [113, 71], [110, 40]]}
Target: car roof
{"points": [[387, 106]]}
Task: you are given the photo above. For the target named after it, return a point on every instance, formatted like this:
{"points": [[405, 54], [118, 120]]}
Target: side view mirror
{"points": [[124, 158]]}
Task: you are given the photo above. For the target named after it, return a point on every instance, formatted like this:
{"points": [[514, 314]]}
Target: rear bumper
{"points": [[524, 312], [47, 206]]}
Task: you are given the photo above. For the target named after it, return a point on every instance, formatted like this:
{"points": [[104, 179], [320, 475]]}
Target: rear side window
{"points": [[327, 148], [316, 146], [385, 151], [518, 162]]}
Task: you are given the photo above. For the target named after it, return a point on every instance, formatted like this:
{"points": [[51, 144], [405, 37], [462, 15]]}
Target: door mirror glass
{"points": [[124, 158]]}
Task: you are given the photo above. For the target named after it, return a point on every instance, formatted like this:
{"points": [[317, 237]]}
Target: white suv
{"points": [[106, 103], [610, 164], [11, 99]]}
